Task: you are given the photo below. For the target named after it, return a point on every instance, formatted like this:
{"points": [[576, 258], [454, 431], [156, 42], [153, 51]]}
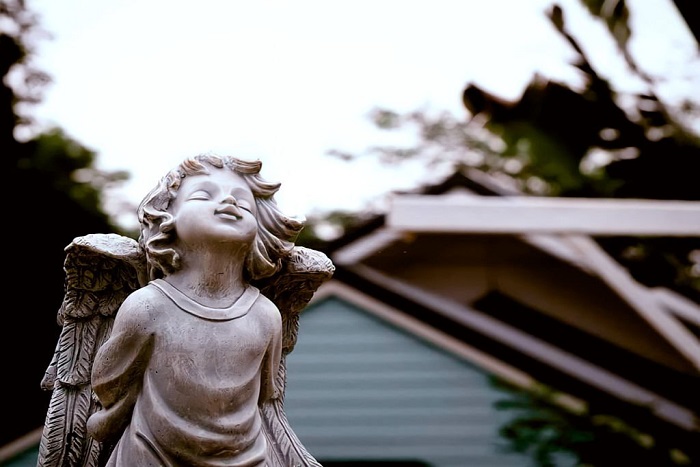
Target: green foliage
{"points": [[550, 432], [68, 167]]}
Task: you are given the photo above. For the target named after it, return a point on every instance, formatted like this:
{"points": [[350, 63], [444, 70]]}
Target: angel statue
{"points": [[172, 348]]}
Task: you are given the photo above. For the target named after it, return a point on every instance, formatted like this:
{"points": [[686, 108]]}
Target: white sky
{"points": [[147, 83]]}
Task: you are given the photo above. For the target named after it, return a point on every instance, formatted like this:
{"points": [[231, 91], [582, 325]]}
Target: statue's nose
{"points": [[229, 199]]}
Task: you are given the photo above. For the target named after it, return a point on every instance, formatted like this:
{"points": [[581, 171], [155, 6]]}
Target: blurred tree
{"points": [[592, 141], [644, 149], [55, 197]]}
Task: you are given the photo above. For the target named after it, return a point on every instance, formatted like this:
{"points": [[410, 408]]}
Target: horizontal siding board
{"points": [[436, 455], [345, 365], [420, 391], [411, 432], [409, 374], [416, 446], [359, 388], [469, 412], [294, 405]]}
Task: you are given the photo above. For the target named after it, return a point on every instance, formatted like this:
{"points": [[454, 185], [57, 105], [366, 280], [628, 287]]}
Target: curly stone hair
{"points": [[276, 231]]}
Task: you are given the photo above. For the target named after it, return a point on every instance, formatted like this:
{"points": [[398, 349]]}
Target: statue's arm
{"points": [[117, 372], [270, 384]]}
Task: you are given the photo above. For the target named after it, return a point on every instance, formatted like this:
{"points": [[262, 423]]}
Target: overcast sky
{"points": [[147, 83]]}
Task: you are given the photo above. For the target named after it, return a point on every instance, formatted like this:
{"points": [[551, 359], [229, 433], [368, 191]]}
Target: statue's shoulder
{"points": [[144, 306]]}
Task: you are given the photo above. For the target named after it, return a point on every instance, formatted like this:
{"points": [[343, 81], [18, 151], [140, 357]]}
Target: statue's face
{"points": [[218, 208]]}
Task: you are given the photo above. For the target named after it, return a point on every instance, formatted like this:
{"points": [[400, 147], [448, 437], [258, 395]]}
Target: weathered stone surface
{"points": [[172, 349]]}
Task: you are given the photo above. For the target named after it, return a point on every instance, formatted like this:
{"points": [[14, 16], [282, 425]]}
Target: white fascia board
{"points": [[360, 249], [529, 214], [540, 350]]}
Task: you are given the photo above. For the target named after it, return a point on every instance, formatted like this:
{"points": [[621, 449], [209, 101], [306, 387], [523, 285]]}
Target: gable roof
{"points": [[670, 318], [633, 346]]}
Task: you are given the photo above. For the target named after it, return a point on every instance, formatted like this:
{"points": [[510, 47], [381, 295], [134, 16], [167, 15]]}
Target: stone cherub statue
{"points": [[172, 349]]}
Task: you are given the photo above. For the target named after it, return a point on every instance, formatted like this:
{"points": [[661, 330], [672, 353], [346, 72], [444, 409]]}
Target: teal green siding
{"points": [[361, 389], [27, 458]]}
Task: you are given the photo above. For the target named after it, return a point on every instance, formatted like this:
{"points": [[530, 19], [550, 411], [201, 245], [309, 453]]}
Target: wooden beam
{"points": [[527, 214], [639, 298]]}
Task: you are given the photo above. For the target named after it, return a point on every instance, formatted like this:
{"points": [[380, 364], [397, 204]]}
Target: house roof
{"points": [[628, 345]]}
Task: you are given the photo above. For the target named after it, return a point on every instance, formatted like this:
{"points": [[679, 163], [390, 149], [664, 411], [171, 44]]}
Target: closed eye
{"points": [[199, 195]]}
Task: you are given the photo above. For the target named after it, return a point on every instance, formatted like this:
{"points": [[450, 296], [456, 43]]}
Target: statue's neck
{"points": [[214, 280]]}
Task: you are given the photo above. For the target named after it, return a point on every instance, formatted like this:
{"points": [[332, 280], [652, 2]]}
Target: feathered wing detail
{"points": [[101, 271], [291, 290]]}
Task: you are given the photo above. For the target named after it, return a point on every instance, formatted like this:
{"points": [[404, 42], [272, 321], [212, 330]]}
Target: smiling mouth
{"points": [[228, 216], [229, 212]]}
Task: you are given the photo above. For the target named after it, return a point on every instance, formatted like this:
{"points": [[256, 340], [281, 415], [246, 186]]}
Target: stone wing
{"points": [[101, 271], [291, 289]]}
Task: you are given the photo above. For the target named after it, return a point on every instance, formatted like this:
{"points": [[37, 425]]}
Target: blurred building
{"points": [[398, 354]]}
